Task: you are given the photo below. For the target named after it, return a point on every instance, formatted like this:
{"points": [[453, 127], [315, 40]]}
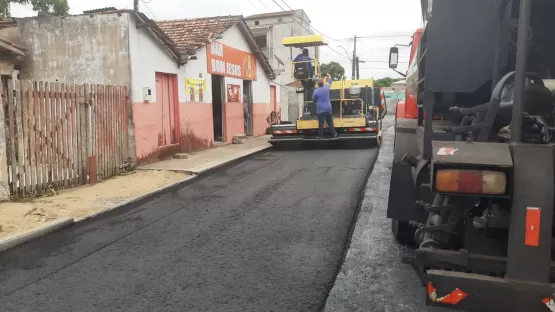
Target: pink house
{"points": [[203, 103]]}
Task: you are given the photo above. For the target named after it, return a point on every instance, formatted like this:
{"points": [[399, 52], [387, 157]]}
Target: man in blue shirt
{"points": [[321, 97]]}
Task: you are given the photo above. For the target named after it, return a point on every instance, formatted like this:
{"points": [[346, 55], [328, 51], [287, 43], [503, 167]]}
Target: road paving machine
{"points": [[356, 107]]}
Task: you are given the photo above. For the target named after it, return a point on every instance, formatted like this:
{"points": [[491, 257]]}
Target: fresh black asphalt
{"points": [[372, 277], [266, 234]]}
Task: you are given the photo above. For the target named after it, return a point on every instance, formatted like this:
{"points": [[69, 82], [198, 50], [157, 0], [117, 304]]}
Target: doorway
{"points": [[166, 96], [247, 87], [273, 98], [218, 107]]}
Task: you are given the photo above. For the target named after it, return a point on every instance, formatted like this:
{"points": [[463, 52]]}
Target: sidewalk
{"points": [[18, 218], [198, 163]]}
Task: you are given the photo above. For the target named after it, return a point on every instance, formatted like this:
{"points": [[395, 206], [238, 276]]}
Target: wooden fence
{"points": [[63, 135]]}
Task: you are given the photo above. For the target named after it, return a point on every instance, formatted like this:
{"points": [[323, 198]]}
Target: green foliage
{"points": [[334, 69], [385, 82], [53, 7]]}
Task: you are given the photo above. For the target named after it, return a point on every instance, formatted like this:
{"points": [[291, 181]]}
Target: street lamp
{"points": [[358, 61]]}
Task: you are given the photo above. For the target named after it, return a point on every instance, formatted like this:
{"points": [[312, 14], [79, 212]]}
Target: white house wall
{"points": [[148, 57]]}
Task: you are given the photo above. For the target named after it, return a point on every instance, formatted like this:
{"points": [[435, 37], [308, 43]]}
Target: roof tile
{"points": [[21, 50], [191, 34]]}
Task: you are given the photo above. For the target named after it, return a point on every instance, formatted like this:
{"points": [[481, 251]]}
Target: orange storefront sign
{"points": [[227, 61]]}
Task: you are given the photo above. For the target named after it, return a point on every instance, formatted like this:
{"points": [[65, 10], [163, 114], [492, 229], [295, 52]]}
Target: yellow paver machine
{"points": [[356, 104]]}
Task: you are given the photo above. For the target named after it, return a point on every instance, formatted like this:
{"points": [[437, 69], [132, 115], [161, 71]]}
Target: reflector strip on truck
{"points": [[549, 303], [382, 97], [453, 298], [364, 129], [284, 131], [532, 234]]}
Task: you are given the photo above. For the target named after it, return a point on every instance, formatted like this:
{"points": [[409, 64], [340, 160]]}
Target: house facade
{"points": [[269, 29], [175, 105], [225, 69]]}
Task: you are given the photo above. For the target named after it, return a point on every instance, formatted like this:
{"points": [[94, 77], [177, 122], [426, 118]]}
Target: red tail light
{"points": [[471, 182]]}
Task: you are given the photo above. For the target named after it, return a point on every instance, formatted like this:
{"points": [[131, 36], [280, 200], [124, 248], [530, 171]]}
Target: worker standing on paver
{"points": [[321, 97]]}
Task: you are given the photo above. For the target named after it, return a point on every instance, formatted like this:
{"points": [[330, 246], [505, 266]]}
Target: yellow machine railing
{"points": [[350, 100], [342, 100]]}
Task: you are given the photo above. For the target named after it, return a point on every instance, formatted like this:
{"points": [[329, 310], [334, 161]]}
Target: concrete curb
{"points": [[195, 173], [50, 227], [218, 163], [45, 229], [135, 199]]}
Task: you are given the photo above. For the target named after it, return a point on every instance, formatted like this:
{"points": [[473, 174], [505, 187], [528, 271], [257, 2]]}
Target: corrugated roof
{"points": [[194, 33]]}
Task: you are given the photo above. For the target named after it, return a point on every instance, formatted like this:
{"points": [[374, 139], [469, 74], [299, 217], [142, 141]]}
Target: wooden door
{"points": [[273, 98], [166, 94]]}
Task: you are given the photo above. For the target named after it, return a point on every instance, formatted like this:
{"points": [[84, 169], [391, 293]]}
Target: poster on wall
{"points": [[196, 89], [233, 93], [226, 61]]}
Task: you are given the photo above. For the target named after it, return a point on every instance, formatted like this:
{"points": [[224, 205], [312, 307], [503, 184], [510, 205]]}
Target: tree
{"points": [[334, 69], [386, 82], [54, 7]]}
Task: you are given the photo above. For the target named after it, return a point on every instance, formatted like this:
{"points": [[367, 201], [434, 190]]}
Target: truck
{"points": [[473, 177]]}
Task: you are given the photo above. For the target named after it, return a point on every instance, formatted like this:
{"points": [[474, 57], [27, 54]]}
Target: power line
{"points": [[279, 5], [342, 39], [366, 61], [148, 9], [302, 24], [316, 30], [254, 6], [383, 36], [332, 39], [264, 5]]}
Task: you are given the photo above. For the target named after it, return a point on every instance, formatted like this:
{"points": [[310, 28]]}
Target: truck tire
{"points": [[403, 232]]}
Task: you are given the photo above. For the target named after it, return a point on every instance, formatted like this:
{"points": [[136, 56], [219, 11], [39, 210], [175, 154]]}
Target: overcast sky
{"points": [[365, 18]]}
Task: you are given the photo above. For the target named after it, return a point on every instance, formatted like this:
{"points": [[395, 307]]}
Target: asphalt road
{"points": [[372, 278], [266, 234]]}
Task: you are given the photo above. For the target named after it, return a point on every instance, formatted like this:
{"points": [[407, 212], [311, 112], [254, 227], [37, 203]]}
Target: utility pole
{"points": [[136, 5], [358, 68], [354, 58]]}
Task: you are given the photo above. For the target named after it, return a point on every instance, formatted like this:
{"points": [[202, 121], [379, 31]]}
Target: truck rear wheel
{"points": [[403, 232]]}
